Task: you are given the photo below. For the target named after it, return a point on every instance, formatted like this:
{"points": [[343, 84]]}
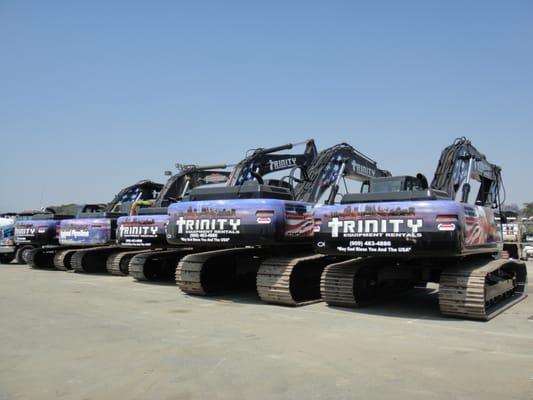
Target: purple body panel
{"points": [[239, 222], [37, 232], [142, 230], [85, 232], [406, 228]]}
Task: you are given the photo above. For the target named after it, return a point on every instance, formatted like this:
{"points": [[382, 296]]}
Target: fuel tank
{"points": [[435, 228], [239, 222]]}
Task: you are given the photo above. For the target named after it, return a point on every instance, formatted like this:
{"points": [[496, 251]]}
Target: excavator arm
{"points": [[263, 161], [330, 166], [461, 162]]}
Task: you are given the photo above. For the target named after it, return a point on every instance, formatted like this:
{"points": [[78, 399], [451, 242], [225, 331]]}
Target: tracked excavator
{"points": [[84, 242], [400, 231], [141, 236], [161, 265], [9, 249], [35, 229], [260, 232]]}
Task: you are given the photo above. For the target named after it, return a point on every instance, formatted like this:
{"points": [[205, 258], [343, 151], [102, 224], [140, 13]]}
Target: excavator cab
{"points": [[395, 188], [145, 190], [250, 190], [391, 184]]}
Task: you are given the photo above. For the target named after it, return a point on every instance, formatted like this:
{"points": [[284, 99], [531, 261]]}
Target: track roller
{"points": [[118, 263], [292, 280], [482, 288], [156, 265], [91, 260], [349, 283], [62, 259], [215, 271], [40, 258]]}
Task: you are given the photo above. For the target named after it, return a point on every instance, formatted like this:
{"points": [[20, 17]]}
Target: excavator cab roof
{"points": [[390, 184], [394, 188], [251, 190]]}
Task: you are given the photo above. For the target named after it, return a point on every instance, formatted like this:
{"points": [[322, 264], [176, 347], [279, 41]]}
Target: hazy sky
{"points": [[96, 95]]}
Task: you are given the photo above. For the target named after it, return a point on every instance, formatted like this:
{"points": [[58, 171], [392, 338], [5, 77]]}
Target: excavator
{"points": [[399, 232], [18, 236], [161, 264], [84, 242], [141, 236], [8, 248], [259, 232], [36, 229]]}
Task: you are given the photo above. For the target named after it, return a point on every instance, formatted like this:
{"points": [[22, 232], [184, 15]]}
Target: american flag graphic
{"points": [[299, 221], [474, 234], [246, 174], [477, 228], [329, 175]]}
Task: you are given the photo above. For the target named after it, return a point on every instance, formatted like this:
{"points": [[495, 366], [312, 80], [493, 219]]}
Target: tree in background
{"points": [[527, 211], [511, 207]]}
